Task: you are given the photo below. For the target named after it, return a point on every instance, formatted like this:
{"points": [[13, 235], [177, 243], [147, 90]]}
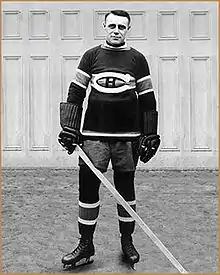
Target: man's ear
{"points": [[129, 27], [103, 25]]}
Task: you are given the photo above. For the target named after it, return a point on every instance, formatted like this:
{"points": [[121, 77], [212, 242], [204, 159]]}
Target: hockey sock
{"points": [[124, 183], [89, 203]]}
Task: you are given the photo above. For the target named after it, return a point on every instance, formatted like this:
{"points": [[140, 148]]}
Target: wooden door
{"points": [[43, 42]]}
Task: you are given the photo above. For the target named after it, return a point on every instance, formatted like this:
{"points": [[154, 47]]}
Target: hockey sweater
{"points": [[121, 90]]}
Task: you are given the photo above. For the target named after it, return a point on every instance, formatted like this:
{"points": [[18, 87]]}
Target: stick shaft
{"points": [[133, 214]]}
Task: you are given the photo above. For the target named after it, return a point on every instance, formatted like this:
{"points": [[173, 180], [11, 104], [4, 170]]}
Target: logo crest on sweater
{"points": [[111, 82]]}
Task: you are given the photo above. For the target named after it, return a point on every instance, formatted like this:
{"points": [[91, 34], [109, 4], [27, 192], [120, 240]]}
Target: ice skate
{"points": [[81, 255], [130, 254]]}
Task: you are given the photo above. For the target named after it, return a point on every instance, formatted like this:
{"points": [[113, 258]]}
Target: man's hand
{"points": [[68, 138], [148, 146]]}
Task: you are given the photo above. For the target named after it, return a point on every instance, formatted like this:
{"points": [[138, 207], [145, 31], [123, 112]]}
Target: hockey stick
{"points": [[134, 215]]}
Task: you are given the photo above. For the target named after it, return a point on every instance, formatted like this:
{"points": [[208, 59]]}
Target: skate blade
{"points": [[133, 267], [82, 262], [129, 263]]}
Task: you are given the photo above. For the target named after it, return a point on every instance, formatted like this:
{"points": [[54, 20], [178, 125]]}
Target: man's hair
{"points": [[119, 13]]}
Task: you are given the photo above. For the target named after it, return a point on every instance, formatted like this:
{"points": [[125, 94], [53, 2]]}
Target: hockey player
{"points": [[120, 124]]}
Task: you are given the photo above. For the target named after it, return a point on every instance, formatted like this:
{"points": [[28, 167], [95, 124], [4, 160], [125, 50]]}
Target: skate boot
{"points": [[81, 255], [130, 254]]}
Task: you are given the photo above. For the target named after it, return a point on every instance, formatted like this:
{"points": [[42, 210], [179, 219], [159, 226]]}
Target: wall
{"points": [[42, 44]]}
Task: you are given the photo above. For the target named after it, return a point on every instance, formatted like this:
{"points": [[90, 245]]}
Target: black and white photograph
{"points": [[109, 137]]}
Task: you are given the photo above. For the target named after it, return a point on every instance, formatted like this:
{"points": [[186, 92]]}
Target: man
{"points": [[120, 124]]}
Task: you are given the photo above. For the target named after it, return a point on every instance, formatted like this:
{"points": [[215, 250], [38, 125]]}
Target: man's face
{"points": [[116, 28]]}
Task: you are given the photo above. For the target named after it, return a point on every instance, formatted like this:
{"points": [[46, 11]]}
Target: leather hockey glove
{"points": [[70, 116], [67, 138], [148, 146]]}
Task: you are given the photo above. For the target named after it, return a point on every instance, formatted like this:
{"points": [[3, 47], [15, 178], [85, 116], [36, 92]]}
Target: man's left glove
{"points": [[148, 146], [68, 138]]}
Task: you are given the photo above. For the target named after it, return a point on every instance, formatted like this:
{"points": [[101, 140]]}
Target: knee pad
{"points": [[124, 183], [88, 186]]}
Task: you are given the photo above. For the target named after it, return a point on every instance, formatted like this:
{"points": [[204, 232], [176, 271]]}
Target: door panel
{"points": [[42, 45]]}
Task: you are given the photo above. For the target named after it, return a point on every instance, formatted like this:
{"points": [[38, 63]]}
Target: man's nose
{"points": [[116, 29]]}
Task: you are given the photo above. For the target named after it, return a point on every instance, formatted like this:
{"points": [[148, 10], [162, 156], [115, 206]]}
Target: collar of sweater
{"points": [[124, 47]]}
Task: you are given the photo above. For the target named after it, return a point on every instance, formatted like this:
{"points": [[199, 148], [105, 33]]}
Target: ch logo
{"points": [[110, 82]]}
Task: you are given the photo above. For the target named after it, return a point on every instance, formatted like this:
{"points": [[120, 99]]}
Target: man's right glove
{"points": [[148, 146], [67, 138], [70, 117]]}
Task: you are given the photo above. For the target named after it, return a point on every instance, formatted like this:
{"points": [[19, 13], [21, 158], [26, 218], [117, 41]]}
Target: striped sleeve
{"points": [[143, 78], [81, 78], [144, 85], [80, 81]]}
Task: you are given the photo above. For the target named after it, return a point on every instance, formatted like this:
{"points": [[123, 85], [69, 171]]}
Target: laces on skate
{"points": [[131, 255], [81, 255]]}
